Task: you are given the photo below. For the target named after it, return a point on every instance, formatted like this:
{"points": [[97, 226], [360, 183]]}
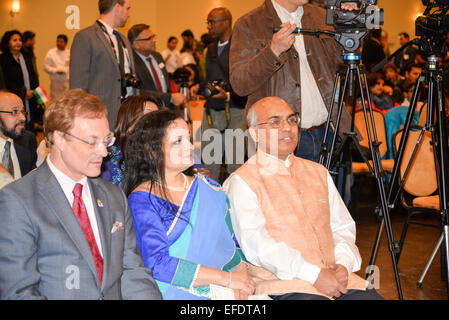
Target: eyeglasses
{"points": [[16, 112], [94, 142], [147, 39], [276, 122], [212, 22]]}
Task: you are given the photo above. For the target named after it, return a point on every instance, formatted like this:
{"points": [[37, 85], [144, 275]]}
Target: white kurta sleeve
{"points": [[258, 246], [343, 230]]}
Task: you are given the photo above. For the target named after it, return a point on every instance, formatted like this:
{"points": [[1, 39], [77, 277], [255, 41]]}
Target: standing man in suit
{"points": [[101, 57], [73, 234], [17, 146], [150, 66]]}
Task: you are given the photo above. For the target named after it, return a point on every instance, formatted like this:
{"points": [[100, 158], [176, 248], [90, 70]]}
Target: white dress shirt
{"points": [[15, 160], [287, 263], [57, 60], [313, 109], [67, 185]]}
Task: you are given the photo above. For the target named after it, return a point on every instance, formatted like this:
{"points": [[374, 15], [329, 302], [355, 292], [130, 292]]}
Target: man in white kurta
{"points": [[288, 217], [56, 64]]}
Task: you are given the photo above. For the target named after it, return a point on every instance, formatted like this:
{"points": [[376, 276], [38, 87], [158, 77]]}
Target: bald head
{"points": [[12, 116], [262, 107], [273, 125], [223, 12], [6, 98]]}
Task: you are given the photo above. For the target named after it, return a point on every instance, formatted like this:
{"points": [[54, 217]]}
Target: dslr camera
{"points": [[210, 89]]}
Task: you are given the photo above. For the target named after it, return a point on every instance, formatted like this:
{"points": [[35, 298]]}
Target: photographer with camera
{"points": [[224, 109], [150, 66], [299, 69], [101, 58]]}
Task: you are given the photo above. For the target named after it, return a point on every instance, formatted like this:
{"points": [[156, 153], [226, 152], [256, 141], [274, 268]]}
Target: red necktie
{"points": [[156, 77], [81, 213]]}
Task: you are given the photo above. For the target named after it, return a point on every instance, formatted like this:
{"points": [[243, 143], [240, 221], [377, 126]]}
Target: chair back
{"points": [[379, 122], [421, 179]]}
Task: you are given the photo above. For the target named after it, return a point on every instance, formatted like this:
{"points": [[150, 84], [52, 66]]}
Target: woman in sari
{"points": [[182, 221]]}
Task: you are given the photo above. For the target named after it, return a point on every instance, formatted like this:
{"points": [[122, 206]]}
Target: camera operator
{"points": [[150, 66], [101, 57], [299, 69], [223, 109]]}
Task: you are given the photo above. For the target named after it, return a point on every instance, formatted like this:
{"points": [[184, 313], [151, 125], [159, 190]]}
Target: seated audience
{"points": [[131, 110], [395, 117], [182, 221], [393, 80], [380, 100], [17, 146], [72, 234], [288, 217]]}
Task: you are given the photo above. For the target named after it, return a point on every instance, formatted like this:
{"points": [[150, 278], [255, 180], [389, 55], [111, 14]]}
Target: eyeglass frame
{"points": [[15, 113], [212, 22], [147, 39], [93, 145], [281, 124]]}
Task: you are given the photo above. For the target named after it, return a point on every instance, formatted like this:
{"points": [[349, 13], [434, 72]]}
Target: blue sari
{"points": [[175, 244]]}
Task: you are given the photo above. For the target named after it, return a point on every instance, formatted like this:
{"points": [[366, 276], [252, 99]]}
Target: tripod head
{"points": [[351, 26]]}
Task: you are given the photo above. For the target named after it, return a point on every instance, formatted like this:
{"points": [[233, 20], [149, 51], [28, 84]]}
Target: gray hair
{"points": [[251, 117]]}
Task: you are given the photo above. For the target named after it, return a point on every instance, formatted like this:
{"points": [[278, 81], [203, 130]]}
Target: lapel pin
{"points": [[99, 203], [117, 226]]}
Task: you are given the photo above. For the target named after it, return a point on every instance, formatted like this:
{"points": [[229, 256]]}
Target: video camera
{"points": [[433, 27], [351, 26], [436, 23]]}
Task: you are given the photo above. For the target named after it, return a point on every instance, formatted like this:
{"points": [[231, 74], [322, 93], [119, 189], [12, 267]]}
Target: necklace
{"points": [[184, 188]]}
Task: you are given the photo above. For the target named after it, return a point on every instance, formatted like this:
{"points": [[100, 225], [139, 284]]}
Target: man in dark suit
{"points": [[73, 233], [17, 146], [101, 57], [150, 67]]}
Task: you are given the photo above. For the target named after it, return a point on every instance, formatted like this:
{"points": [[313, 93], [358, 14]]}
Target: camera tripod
{"points": [[432, 75], [350, 71]]}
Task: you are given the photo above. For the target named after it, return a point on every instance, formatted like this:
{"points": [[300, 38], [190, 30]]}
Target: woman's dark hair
{"points": [[4, 44], [373, 78], [196, 76], [130, 111], [144, 156]]}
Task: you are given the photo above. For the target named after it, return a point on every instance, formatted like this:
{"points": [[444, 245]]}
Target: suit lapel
{"points": [[52, 192], [104, 224], [145, 74], [107, 43]]}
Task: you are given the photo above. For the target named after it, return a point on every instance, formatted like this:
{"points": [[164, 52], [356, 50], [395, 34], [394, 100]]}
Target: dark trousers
{"points": [[369, 294]]}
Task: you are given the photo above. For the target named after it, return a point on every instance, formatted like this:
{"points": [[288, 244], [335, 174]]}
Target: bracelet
{"points": [[230, 279]]}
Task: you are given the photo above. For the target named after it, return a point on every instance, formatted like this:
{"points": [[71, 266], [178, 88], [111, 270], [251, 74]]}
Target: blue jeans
{"points": [[310, 143]]}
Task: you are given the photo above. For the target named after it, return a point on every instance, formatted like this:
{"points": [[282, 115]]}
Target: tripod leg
{"points": [[407, 125], [374, 148], [372, 260], [442, 166], [432, 257], [324, 152]]}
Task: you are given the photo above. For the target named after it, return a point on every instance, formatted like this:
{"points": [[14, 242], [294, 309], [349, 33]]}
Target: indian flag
{"points": [[41, 95]]}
